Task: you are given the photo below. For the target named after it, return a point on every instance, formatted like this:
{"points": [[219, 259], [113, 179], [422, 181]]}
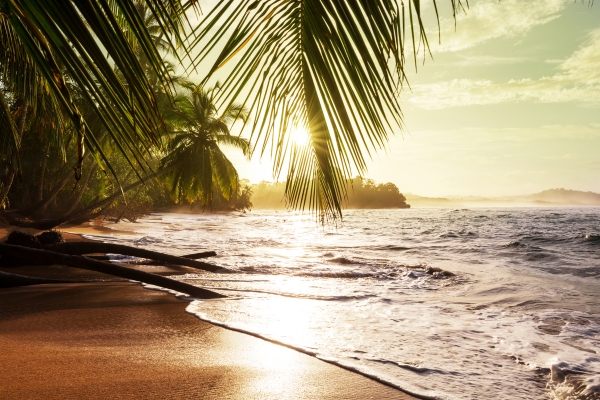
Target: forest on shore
{"points": [[362, 194]]}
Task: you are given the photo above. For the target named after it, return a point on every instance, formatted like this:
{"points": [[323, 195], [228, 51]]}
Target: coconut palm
{"points": [[92, 41], [195, 161], [330, 68], [333, 67], [194, 164]]}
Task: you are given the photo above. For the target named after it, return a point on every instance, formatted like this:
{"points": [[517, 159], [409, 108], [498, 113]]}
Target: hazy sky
{"points": [[509, 105]]}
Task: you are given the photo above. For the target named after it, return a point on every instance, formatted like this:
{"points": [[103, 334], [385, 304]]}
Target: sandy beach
{"points": [[115, 339]]}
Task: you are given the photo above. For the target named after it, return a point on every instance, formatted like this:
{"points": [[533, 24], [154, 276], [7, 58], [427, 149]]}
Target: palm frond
{"points": [[197, 166], [236, 142], [92, 41], [18, 72], [333, 67]]}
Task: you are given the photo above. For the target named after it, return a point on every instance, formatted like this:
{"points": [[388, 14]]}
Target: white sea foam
{"points": [[518, 319]]}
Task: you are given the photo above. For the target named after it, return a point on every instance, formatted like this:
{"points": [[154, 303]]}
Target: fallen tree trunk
{"points": [[194, 256], [45, 257], [78, 248]]}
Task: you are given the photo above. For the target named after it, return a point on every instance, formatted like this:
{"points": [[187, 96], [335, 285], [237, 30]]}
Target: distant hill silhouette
{"points": [[567, 197], [365, 193], [547, 198], [422, 201]]}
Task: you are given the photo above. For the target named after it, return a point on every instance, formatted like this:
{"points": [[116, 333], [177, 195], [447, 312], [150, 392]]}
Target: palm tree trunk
{"points": [[77, 200], [51, 223], [12, 173], [114, 196], [41, 205], [40, 194], [120, 217], [7, 185]]}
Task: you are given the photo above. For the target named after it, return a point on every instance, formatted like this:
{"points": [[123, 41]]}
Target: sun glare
{"points": [[299, 135]]}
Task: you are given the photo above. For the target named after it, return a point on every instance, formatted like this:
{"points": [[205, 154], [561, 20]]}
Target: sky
{"points": [[509, 105]]}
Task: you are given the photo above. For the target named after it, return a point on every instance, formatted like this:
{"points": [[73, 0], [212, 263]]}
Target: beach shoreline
{"points": [[116, 339]]}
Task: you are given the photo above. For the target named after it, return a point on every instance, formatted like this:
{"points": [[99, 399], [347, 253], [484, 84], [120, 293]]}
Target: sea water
{"points": [[516, 315]]}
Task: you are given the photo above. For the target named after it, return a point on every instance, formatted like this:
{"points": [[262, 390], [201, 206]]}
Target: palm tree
{"points": [[330, 68], [333, 67], [92, 41], [195, 161], [194, 164]]}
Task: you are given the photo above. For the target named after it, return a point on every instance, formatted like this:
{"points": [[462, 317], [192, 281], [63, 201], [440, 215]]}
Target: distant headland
{"points": [[547, 198], [362, 194]]}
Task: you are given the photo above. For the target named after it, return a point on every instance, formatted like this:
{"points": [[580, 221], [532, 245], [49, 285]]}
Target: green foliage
{"points": [[365, 193], [362, 193], [332, 67], [197, 166], [240, 200], [93, 42]]}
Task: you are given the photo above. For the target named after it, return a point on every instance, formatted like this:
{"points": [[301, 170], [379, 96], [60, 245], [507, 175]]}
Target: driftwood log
{"points": [[194, 256], [46, 256], [79, 248]]}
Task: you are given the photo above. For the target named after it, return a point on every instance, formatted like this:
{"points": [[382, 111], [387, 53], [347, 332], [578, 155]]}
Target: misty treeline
{"points": [[362, 194]]}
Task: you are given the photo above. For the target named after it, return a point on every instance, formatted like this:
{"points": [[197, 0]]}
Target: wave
{"points": [[344, 261], [517, 245], [392, 248], [590, 239], [461, 233], [413, 368], [337, 274], [359, 369], [146, 240], [573, 382], [535, 250], [289, 294]]}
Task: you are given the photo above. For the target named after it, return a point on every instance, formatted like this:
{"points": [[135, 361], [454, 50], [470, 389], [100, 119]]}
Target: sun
{"points": [[299, 135]]}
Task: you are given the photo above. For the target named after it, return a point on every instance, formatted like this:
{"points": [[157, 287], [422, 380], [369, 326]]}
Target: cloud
{"points": [[577, 80], [484, 60], [491, 19]]}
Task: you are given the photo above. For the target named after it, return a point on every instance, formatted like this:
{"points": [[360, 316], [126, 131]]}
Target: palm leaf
{"points": [[94, 42], [195, 163], [333, 67]]}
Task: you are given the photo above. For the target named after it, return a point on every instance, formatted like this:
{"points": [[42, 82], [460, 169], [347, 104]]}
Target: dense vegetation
{"points": [[362, 193], [188, 167], [365, 193], [192, 169]]}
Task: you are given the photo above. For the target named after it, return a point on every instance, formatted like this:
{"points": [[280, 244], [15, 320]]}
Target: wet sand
{"points": [[116, 340]]}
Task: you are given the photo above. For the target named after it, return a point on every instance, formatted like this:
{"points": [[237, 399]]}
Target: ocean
{"points": [[499, 303]]}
